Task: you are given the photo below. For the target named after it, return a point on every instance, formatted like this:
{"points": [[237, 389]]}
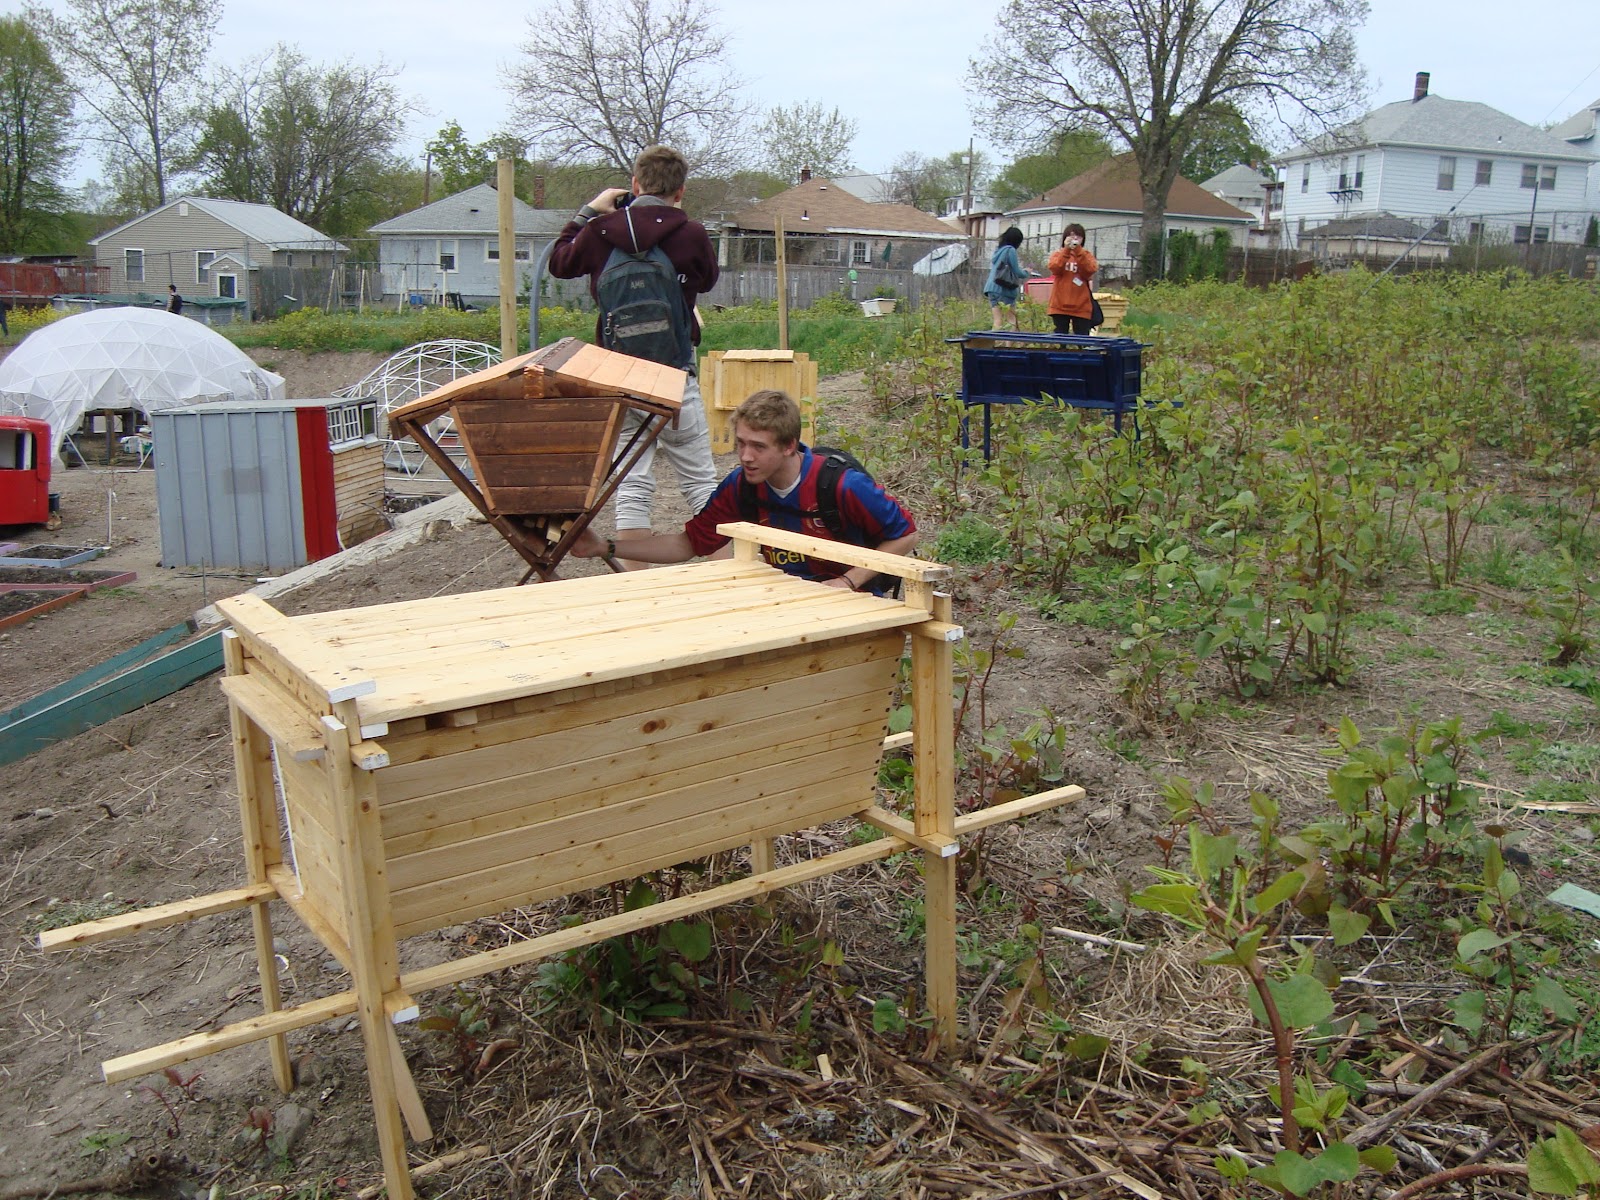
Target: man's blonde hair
{"points": [[660, 170], [771, 411]]}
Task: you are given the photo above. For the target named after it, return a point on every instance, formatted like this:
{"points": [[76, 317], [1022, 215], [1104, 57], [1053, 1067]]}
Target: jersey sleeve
{"points": [[723, 507], [864, 505]]}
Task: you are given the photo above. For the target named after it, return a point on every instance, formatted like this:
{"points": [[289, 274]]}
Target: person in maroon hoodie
{"points": [[654, 216]]}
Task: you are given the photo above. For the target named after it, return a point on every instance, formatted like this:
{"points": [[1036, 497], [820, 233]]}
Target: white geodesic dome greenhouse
{"points": [[139, 358]]}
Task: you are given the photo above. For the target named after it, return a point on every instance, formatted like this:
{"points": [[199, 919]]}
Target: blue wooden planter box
{"points": [[1028, 368]]}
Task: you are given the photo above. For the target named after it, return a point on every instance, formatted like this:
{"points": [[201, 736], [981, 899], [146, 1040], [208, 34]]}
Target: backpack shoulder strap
{"points": [[828, 475]]}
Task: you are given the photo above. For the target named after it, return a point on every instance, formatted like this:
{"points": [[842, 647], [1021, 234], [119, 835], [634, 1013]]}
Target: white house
{"points": [[1485, 174], [1243, 187], [1582, 130], [453, 246]]}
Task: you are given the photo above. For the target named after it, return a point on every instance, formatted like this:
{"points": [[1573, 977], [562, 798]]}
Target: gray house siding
{"points": [[172, 241], [417, 264]]}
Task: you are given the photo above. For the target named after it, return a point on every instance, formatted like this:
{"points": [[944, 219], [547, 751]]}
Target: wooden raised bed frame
{"points": [[449, 758]]}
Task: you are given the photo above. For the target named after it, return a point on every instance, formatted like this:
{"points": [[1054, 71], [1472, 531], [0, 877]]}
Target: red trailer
{"points": [[25, 473]]}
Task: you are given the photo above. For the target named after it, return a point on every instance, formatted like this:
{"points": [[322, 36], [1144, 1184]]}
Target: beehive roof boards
{"points": [[566, 368]]}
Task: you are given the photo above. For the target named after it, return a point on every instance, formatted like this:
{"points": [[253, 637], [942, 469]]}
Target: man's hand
{"points": [[605, 201], [838, 581], [588, 544]]}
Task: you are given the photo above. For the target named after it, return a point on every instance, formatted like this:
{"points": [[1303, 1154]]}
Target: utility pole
{"points": [[966, 209]]}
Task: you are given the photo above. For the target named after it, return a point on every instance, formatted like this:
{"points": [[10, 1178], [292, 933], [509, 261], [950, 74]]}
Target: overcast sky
{"points": [[898, 67]]}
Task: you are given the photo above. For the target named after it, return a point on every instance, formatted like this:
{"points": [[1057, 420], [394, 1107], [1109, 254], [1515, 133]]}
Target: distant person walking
{"points": [[174, 301], [1072, 296], [1005, 278]]}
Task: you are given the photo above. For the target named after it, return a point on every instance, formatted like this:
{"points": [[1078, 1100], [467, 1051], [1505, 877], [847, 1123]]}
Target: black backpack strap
{"points": [[828, 475]]}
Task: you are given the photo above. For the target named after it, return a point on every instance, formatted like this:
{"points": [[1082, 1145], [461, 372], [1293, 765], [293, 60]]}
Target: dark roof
{"points": [[1376, 225], [1113, 186], [821, 206]]}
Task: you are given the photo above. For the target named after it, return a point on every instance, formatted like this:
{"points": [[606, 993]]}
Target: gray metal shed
{"points": [[265, 486]]}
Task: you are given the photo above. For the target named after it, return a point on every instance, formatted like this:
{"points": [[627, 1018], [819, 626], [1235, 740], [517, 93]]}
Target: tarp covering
{"points": [[941, 261], [137, 358]]}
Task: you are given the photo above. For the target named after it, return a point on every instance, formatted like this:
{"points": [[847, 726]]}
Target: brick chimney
{"points": [[1421, 88], [538, 191], [805, 174]]}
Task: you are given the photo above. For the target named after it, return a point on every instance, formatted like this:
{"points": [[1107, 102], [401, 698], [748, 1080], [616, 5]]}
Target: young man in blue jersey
{"points": [[783, 474]]}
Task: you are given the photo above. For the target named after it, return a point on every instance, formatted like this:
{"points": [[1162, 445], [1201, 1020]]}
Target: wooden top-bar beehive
{"points": [[456, 757], [540, 430]]}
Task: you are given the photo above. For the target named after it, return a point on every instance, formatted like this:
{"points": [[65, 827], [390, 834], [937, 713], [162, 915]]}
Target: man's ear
{"points": [[636, 190], [676, 199]]}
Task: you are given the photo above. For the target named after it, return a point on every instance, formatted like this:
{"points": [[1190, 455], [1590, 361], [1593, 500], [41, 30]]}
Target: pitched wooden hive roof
{"points": [[540, 429]]}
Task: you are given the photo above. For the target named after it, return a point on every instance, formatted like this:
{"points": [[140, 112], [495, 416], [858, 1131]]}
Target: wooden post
{"points": [[933, 746], [505, 179], [783, 285], [258, 822], [372, 946]]}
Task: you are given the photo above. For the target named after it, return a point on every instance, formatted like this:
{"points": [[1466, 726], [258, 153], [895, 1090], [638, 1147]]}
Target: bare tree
{"points": [[804, 135], [1150, 73], [300, 136], [926, 183], [601, 81], [136, 65], [35, 138]]}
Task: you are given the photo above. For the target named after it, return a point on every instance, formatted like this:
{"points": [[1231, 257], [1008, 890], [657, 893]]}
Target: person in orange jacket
{"points": [[1072, 296]]}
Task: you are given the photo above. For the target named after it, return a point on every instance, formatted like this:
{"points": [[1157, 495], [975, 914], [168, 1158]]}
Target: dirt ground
{"points": [[142, 811]]}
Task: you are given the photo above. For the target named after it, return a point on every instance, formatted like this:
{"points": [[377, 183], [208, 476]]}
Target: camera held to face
{"points": [[624, 200]]}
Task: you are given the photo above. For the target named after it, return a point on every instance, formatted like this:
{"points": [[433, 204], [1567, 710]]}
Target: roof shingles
{"points": [[820, 206], [1113, 186]]}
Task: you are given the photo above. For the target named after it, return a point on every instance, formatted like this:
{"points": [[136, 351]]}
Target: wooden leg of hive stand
{"points": [[763, 855], [933, 723], [417, 1124], [374, 962], [258, 822]]}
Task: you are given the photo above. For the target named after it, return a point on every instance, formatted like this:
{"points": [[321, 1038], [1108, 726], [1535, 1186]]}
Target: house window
{"points": [[832, 252], [447, 256], [860, 254], [491, 251], [228, 287], [1485, 172], [1133, 248], [288, 259], [1535, 176], [1541, 235], [1475, 231], [202, 264], [1305, 177], [1447, 173], [133, 260], [1361, 170]]}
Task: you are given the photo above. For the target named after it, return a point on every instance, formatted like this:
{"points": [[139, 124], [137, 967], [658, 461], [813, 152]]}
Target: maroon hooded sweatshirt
{"points": [[583, 248]]}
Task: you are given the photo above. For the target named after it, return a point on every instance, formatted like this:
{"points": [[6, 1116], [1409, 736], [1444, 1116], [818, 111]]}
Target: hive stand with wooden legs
{"points": [[541, 432], [451, 758]]}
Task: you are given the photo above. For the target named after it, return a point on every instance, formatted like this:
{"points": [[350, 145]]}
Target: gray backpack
{"points": [[642, 308]]}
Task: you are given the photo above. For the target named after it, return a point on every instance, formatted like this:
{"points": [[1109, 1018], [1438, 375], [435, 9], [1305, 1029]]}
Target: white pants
{"points": [[687, 446]]}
